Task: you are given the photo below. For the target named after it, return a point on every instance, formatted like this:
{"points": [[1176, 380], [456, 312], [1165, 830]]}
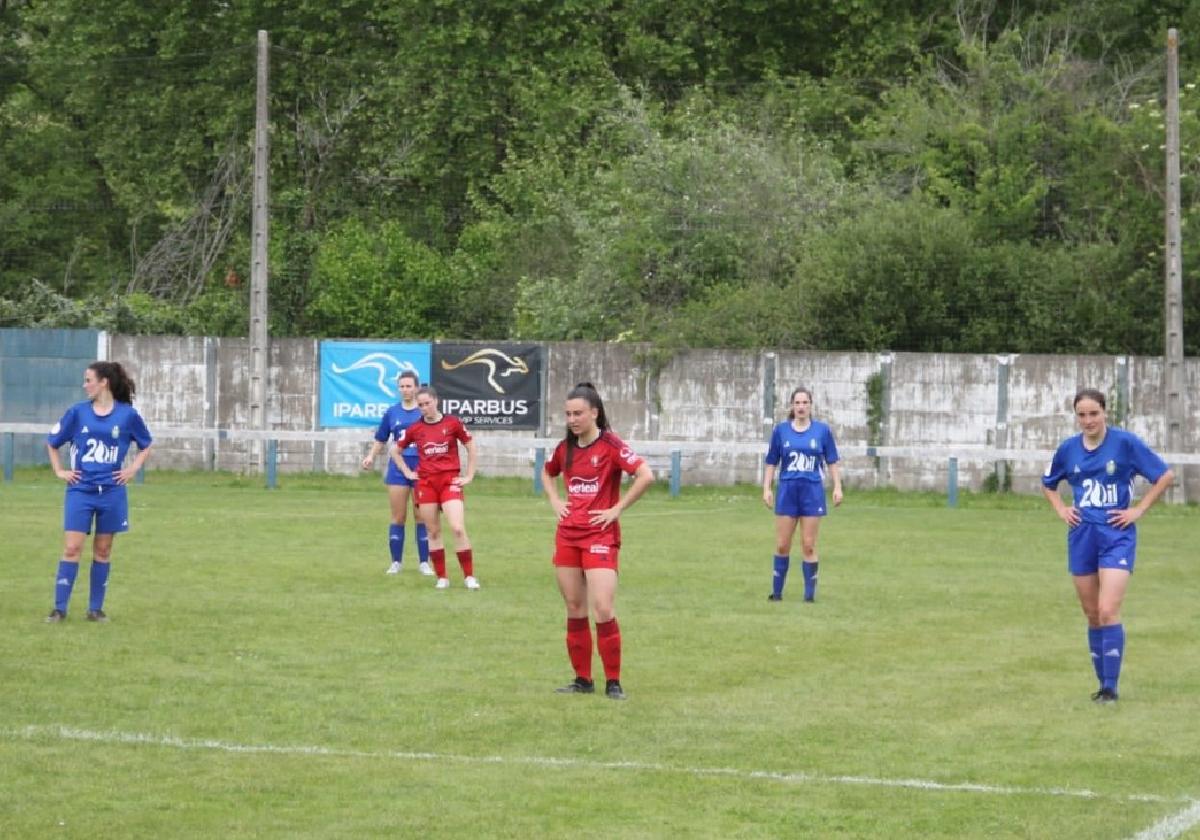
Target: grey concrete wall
{"points": [[1016, 402]]}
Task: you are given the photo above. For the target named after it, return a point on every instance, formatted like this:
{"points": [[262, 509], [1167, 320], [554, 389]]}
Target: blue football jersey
{"points": [[99, 444], [393, 423], [801, 455], [1102, 478]]}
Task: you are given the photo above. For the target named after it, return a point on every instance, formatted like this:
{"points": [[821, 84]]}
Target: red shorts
{"points": [[590, 556], [438, 489]]}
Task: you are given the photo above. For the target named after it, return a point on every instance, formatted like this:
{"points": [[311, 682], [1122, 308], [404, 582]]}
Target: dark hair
{"points": [[1089, 394], [792, 399], [426, 389], [585, 391], [409, 374], [119, 383]]}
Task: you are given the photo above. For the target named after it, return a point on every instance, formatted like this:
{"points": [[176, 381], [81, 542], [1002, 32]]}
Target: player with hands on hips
{"points": [[1100, 464], [587, 541], [100, 430]]}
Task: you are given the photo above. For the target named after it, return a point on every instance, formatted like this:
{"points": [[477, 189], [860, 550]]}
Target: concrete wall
{"points": [[1015, 402]]}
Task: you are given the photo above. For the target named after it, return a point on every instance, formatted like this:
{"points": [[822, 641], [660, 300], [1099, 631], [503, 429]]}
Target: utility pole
{"points": [[1173, 372], [259, 337]]}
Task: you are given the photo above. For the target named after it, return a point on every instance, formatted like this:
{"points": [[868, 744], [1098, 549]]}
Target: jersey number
{"points": [[799, 462], [1097, 495], [99, 453]]}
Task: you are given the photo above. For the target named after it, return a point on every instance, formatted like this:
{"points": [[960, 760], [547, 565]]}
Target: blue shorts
{"points": [[1091, 547], [395, 477], [800, 498], [109, 506]]}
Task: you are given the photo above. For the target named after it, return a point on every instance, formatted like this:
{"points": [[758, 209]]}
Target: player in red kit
{"points": [[591, 460], [439, 485]]}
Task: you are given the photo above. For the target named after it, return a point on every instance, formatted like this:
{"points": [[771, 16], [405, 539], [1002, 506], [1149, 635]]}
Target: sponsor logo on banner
{"points": [[497, 385], [358, 378]]}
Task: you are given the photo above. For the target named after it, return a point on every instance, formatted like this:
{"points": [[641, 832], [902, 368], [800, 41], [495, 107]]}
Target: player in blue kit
{"points": [[393, 423], [800, 450], [99, 430], [1100, 464]]}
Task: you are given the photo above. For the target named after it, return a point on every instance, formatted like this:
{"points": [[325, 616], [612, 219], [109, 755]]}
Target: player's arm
{"points": [[369, 460], [835, 471], [397, 456], [69, 476], [643, 477], [768, 495], [1126, 517], [472, 458], [126, 474], [550, 486], [1067, 514]]}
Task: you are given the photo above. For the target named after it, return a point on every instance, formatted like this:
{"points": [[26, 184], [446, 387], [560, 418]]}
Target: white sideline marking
{"points": [[1172, 826], [68, 733]]}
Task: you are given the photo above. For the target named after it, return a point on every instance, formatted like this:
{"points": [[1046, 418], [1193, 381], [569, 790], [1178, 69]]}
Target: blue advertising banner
{"points": [[358, 378]]}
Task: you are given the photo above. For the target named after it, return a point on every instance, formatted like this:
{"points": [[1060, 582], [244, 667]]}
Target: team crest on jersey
{"points": [[1111, 467], [595, 460], [1076, 468], [84, 430], [116, 432], [812, 443], [787, 444]]}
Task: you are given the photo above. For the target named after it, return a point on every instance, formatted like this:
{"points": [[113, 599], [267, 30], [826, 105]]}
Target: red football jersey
{"points": [[437, 444], [593, 482]]}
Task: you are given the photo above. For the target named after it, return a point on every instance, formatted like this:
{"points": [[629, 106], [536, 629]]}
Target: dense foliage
{"points": [[908, 176]]}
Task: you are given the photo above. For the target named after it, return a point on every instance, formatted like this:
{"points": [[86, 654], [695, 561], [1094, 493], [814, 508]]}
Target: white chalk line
{"points": [[1173, 826], [69, 733]]}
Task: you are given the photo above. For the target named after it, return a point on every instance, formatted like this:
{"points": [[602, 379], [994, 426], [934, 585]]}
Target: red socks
{"points": [[437, 556], [466, 559], [579, 646], [608, 640]]}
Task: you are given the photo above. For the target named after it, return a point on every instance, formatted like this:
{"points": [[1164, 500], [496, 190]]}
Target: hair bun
{"points": [[585, 385]]}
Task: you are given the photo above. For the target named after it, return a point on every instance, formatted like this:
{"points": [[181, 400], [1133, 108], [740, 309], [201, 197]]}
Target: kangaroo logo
{"points": [[387, 366], [498, 364]]}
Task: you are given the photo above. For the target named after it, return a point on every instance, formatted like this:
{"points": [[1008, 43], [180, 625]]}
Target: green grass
{"points": [[262, 677]]}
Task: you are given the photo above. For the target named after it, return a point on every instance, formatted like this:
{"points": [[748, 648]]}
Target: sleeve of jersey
{"points": [[461, 431], [772, 456], [1055, 471], [831, 453], [405, 437], [63, 430], [1146, 462], [627, 459], [383, 431], [139, 432], [555, 465]]}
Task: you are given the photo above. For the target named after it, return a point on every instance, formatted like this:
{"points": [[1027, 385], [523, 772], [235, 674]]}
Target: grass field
{"points": [[262, 677]]}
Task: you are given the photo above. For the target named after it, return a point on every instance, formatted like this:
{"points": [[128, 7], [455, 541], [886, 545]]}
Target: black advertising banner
{"points": [[490, 386]]}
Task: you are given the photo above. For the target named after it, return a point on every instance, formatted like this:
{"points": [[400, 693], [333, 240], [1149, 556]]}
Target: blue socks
{"points": [[810, 579], [99, 585], [1094, 647], [64, 582], [1112, 651], [782, 561], [396, 542], [422, 543]]}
